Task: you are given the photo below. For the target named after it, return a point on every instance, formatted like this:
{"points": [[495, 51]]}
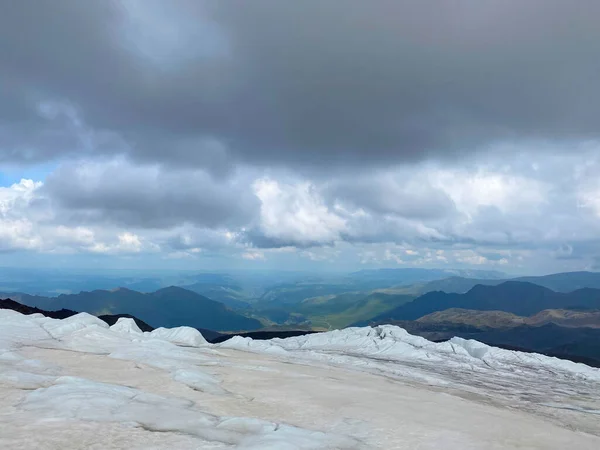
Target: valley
{"points": [[514, 313]]}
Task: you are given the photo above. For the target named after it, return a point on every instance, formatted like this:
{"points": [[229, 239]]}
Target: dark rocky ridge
{"points": [[65, 313]]}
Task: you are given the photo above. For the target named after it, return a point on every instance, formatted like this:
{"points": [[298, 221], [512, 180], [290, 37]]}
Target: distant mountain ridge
{"points": [[167, 307], [559, 282], [511, 314], [416, 275], [517, 297]]}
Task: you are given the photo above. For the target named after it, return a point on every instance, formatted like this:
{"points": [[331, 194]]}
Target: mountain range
{"points": [[168, 307], [513, 314], [373, 293], [556, 314], [559, 282], [517, 297]]}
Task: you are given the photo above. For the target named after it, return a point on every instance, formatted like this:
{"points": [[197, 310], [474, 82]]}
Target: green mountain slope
{"points": [[342, 310], [515, 297], [168, 307]]}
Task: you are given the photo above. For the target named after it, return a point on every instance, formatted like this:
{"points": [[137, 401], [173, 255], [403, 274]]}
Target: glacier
{"points": [[78, 383]]}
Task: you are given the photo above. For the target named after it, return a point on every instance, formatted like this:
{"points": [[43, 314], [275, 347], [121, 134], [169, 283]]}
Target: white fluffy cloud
{"points": [[506, 192], [254, 255], [27, 223], [296, 213], [16, 229], [490, 214]]}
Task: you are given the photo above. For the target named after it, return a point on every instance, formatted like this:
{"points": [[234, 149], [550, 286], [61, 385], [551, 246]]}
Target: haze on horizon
{"points": [[300, 135]]}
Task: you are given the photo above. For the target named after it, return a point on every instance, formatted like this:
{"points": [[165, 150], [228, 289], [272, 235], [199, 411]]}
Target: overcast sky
{"points": [[311, 134]]}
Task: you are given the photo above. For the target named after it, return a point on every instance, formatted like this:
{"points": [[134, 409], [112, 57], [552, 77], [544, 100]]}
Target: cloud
{"points": [[119, 192], [506, 192], [379, 132], [492, 214], [472, 257], [17, 231], [294, 214], [27, 223], [129, 242], [81, 239], [254, 255], [192, 239], [399, 192], [302, 85]]}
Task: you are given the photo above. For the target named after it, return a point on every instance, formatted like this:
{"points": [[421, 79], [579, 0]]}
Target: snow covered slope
{"points": [[391, 343], [77, 383], [45, 394], [529, 381]]}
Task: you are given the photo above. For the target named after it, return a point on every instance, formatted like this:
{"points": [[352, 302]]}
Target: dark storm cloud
{"points": [[148, 197], [256, 238], [305, 83]]}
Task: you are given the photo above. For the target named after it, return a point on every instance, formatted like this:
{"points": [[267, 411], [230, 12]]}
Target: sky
{"points": [[321, 135]]}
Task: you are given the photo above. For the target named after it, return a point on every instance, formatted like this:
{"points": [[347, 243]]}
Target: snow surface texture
{"points": [[526, 380], [77, 383], [67, 399]]}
